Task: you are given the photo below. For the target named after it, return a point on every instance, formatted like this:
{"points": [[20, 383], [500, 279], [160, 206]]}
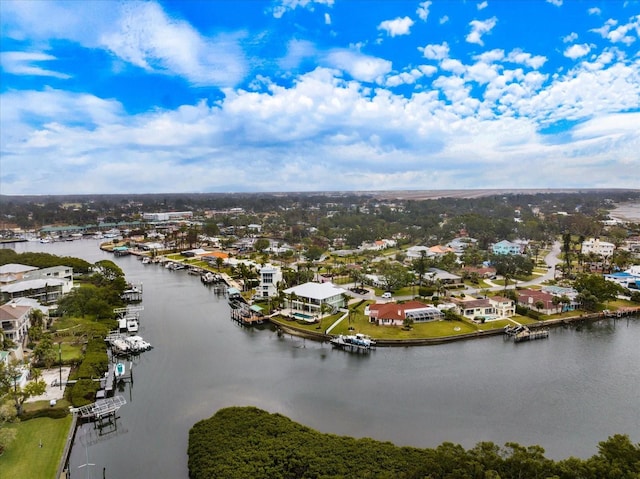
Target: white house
{"points": [[311, 296], [601, 248], [269, 277]]}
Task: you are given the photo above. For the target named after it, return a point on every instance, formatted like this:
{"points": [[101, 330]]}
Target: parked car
{"points": [[386, 295]]}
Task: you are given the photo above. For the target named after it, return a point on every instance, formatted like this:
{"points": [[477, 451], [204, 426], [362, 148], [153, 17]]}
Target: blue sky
{"points": [[303, 95]]}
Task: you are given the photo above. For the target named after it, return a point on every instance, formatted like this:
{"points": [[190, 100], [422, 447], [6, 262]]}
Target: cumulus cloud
{"points": [[482, 5], [423, 10], [435, 51], [577, 51], [572, 37], [397, 26], [479, 28], [557, 3], [359, 66], [24, 63], [594, 11]]}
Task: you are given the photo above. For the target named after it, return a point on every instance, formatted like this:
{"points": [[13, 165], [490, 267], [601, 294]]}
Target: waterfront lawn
{"points": [[25, 458]]}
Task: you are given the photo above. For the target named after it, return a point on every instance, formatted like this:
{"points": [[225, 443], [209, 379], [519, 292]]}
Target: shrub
{"points": [[84, 392]]}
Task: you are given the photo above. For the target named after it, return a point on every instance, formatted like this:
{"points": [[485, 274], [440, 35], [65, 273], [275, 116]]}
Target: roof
{"points": [[13, 311], [317, 291], [31, 284], [397, 310], [13, 268]]}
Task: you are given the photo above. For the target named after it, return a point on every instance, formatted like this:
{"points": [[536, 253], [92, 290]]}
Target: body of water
{"points": [[565, 393]]}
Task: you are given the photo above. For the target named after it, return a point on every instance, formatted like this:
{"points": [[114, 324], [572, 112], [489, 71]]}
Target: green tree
{"points": [[9, 376]]}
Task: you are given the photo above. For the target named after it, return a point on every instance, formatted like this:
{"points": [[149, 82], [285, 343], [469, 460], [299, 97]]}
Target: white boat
{"points": [[146, 260], [122, 324], [121, 346], [137, 344], [353, 342], [132, 325]]}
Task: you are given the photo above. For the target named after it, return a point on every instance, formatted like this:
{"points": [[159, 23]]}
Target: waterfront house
{"points": [[269, 277], [475, 309], [310, 297], [394, 314], [538, 300], [627, 279]]}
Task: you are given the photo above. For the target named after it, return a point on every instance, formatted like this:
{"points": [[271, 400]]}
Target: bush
{"points": [[84, 392], [51, 412]]}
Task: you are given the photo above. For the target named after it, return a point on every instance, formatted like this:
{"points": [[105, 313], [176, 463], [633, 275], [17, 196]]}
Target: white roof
{"points": [[13, 268], [31, 284], [317, 291]]}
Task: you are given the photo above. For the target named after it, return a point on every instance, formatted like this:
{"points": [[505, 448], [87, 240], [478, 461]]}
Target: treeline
{"points": [[242, 442], [43, 260]]}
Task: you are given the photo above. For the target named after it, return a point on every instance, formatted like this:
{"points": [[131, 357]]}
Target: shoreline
{"points": [[322, 337]]}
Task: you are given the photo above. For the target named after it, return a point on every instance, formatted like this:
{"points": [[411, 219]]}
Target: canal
{"points": [[565, 393]]}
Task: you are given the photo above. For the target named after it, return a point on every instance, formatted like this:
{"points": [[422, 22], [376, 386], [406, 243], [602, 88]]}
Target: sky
{"points": [[318, 95]]}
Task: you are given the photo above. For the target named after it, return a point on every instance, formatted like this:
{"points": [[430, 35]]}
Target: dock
{"points": [[521, 333]]}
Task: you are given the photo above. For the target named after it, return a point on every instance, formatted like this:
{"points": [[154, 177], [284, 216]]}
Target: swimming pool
{"points": [[306, 317]]}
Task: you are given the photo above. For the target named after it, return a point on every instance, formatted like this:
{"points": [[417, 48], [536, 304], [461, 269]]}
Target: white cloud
{"points": [[577, 51], [594, 11], [297, 51], [435, 51], [423, 10], [397, 26], [572, 37], [444, 19], [557, 3], [22, 63], [146, 37], [327, 19], [283, 6], [479, 28], [524, 58], [482, 5], [360, 67]]}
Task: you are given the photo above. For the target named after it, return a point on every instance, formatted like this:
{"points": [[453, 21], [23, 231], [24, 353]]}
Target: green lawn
{"points": [[25, 458]]}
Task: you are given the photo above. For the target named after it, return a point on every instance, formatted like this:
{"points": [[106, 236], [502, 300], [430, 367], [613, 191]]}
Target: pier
{"points": [[522, 333]]}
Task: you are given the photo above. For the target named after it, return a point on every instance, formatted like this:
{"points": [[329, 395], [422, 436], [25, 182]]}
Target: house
{"points": [[507, 247], [483, 272], [504, 307], [311, 296], [627, 279], [46, 291], [439, 250], [394, 314], [12, 272], [530, 298], [435, 274], [569, 293], [476, 309], [601, 248], [15, 320], [269, 277], [416, 252]]}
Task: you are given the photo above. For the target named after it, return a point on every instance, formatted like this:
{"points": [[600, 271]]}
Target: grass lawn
{"points": [[25, 458]]}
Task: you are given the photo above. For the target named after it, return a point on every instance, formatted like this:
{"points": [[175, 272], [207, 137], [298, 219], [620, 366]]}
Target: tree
{"points": [[44, 352], [9, 376], [594, 289], [261, 244]]}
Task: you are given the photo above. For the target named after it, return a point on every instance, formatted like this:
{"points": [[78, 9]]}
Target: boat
{"points": [[120, 346], [353, 342], [122, 324], [137, 344], [132, 325], [146, 260], [119, 371]]}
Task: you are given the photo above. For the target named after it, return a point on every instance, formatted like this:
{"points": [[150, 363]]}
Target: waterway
{"points": [[565, 393]]}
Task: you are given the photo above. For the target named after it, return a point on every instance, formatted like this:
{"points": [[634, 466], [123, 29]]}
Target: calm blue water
{"points": [[565, 393]]}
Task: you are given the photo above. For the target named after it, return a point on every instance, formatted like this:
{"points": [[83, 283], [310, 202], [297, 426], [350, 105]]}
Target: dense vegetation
{"points": [[242, 442], [43, 260]]}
